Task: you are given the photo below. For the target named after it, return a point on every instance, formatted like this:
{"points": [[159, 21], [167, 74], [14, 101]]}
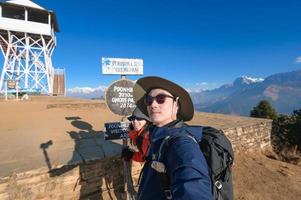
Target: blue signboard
{"points": [[116, 130]]}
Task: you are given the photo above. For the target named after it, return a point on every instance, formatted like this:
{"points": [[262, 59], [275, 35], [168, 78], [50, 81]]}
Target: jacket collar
{"points": [[172, 128]]}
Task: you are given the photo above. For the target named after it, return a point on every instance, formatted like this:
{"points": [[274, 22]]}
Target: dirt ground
{"points": [[258, 177], [24, 126]]}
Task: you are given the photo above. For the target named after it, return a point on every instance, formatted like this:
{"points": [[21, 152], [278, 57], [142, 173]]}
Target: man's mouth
{"points": [[154, 113]]}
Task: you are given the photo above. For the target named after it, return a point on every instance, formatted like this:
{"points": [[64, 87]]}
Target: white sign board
{"points": [[122, 66]]}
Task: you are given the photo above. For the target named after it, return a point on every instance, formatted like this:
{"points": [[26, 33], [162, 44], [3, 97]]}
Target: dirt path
{"points": [[259, 177]]}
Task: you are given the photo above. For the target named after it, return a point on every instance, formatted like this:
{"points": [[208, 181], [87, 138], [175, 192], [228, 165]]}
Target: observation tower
{"points": [[27, 41]]}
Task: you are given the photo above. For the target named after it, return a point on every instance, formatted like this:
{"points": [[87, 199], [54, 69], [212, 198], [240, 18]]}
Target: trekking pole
{"points": [[128, 174]]}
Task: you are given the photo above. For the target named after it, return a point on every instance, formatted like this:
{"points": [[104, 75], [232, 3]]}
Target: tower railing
{"points": [[27, 60]]}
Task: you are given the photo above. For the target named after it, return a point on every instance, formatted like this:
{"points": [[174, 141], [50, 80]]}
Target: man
{"points": [[169, 105]]}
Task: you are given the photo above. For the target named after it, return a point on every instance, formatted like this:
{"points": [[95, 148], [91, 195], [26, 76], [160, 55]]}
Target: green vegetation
{"points": [[286, 131], [264, 110]]}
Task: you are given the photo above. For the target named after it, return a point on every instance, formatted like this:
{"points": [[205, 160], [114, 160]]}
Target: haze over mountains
{"points": [[282, 90]]}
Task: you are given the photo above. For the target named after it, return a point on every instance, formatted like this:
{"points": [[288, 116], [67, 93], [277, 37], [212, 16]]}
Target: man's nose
{"points": [[154, 103]]}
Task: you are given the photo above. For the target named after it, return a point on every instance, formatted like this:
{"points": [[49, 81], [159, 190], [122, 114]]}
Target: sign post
{"points": [[12, 85], [119, 98]]}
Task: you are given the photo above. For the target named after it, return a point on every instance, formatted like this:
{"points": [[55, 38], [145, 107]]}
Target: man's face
{"points": [[161, 111]]}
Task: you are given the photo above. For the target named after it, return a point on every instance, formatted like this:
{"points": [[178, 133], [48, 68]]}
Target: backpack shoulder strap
{"points": [[167, 141], [159, 166]]}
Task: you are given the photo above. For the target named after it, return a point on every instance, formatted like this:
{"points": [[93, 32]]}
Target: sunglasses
{"points": [[135, 118], [160, 99]]}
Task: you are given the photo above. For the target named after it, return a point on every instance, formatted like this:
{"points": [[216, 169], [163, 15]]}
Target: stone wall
{"points": [[102, 179], [245, 133], [251, 137]]}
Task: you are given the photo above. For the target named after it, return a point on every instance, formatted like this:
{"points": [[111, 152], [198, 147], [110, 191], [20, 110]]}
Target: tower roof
{"points": [[32, 5], [25, 3]]}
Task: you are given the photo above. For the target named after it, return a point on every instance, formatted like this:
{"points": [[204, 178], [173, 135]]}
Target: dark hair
{"points": [[145, 127], [131, 127]]}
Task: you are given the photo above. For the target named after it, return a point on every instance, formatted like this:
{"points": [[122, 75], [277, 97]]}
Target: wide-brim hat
{"points": [[145, 84], [138, 114]]}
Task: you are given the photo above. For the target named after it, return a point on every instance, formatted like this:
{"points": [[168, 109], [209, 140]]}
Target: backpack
{"points": [[218, 152]]}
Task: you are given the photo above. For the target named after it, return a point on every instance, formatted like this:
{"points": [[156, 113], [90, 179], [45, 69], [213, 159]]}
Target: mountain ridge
{"points": [[282, 90]]}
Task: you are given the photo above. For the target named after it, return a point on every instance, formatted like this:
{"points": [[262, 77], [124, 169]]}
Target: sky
{"points": [[196, 43]]}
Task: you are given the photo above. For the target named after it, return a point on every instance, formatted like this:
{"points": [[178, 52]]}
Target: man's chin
{"points": [[155, 121]]}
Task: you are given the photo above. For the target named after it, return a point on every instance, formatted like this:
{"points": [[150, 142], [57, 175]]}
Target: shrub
{"points": [[264, 110]]}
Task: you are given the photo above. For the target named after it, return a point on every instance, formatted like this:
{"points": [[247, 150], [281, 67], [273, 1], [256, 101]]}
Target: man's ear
{"points": [[177, 105]]}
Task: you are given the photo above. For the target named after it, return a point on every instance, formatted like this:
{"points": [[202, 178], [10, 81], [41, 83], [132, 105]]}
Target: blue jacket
{"points": [[185, 163]]}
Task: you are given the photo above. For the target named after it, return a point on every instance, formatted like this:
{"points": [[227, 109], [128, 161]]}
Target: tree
{"points": [[264, 110], [296, 128], [286, 132]]}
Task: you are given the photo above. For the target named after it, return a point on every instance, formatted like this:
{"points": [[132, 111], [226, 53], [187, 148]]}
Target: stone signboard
{"points": [[119, 97]]}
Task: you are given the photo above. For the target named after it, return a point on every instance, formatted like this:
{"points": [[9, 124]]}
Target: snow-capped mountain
{"points": [[249, 80], [282, 90], [245, 81], [87, 92], [206, 98]]}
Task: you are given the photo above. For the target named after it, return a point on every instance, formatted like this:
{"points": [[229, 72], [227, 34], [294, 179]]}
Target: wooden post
{"points": [[6, 91], [127, 167]]}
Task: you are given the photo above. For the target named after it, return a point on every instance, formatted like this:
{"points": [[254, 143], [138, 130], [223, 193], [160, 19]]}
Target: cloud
{"points": [[298, 59], [201, 86]]}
